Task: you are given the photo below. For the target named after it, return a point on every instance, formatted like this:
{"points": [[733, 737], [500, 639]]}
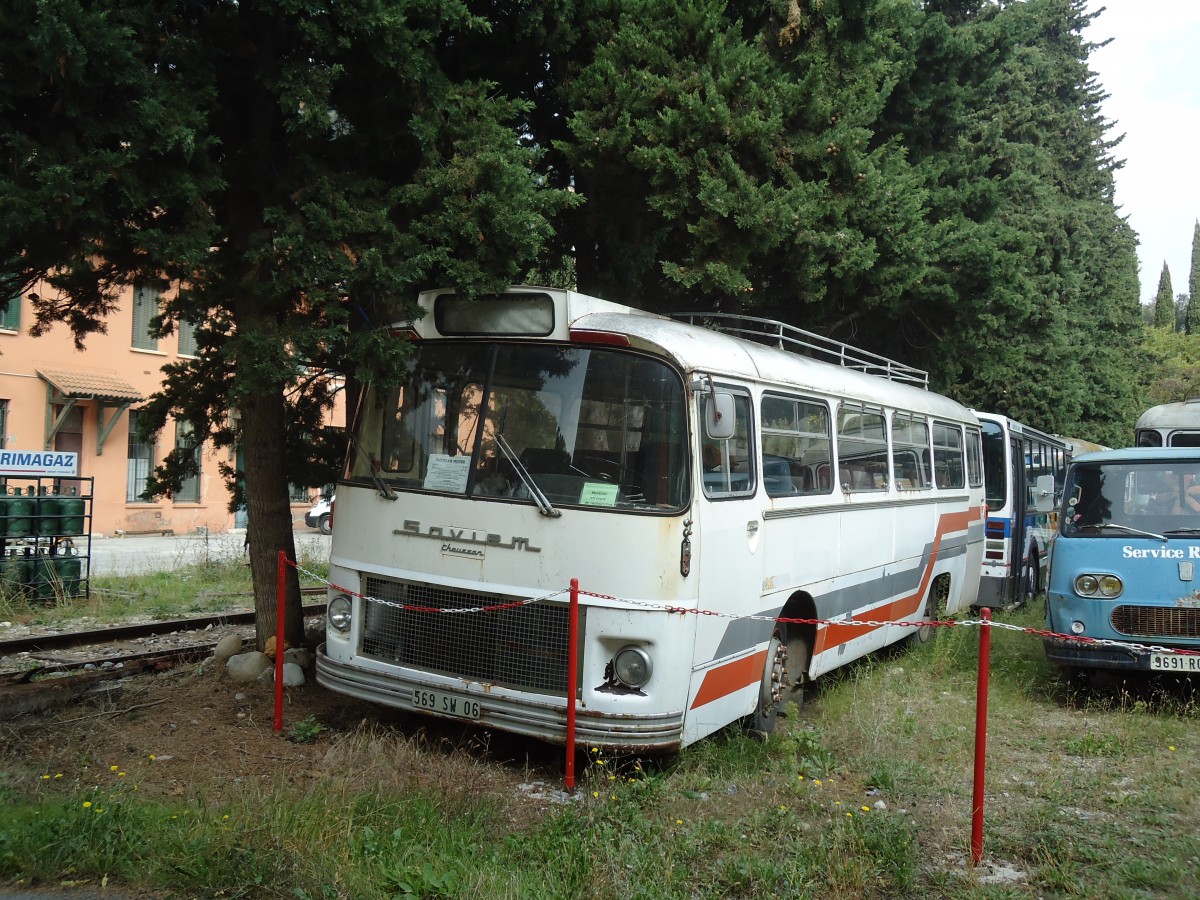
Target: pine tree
{"points": [[1164, 301]]}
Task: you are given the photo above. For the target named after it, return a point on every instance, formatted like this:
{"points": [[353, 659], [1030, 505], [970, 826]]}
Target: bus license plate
{"points": [[448, 705], [1174, 662]]}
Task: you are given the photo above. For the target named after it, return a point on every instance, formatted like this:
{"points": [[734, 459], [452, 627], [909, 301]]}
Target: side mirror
{"points": [[1043, 500], [719, 416]]}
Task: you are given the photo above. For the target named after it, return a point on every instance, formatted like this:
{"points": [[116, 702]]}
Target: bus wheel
{"points": [[770, 691], [799, 655], [1032, 580], [935, 606]]}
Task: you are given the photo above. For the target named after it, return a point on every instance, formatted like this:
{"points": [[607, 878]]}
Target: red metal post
{"points": [[572, 679], [281, 596], [981, 704]]}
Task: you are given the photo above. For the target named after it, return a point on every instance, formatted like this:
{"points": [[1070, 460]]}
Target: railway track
{"points": [[37, 671]]}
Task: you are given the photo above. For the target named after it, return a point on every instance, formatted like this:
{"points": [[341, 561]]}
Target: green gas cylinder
{"points": [[20, 514], [73, 510], [49, 514]]}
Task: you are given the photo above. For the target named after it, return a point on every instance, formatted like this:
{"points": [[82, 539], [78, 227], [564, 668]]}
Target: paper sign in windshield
{"points": [[597, 493], [448, 473]]}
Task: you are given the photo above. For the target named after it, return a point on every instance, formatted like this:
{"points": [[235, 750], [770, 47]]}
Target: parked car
{"points": [[321, 515]]}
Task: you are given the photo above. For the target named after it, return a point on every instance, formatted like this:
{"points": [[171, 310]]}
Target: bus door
{"points": [[1019, 544], [728, 524]]}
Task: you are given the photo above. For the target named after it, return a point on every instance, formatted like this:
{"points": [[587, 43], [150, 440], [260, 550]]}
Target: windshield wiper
{"points": [[545, 507], [1124, 528], [1182, 531], [382, 487]]}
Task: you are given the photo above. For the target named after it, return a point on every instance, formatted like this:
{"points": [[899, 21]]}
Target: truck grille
{"points": [[524, 647], [1157, 621]]}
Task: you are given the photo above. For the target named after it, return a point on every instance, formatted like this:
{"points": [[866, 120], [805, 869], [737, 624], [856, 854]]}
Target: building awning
{"points": [[72, 384]]}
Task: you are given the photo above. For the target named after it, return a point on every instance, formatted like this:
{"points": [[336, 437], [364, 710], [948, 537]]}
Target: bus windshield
{"points": [[1152, 498], [578, 426]]}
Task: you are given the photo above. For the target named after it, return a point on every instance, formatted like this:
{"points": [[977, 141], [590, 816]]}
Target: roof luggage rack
{"points": [[804, 343]]}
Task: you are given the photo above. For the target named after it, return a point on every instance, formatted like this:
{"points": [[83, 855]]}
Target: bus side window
{"points": [[795, 438]]}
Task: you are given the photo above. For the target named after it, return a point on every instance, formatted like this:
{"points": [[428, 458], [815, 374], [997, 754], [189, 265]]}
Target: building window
{"points": [[145, 308], [299, 493], [10, 314], [185, 439], [187, 338], [3, 424], [141, 461]]}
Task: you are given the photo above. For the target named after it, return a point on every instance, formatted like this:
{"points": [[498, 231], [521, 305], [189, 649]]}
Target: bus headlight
{"points": [[1107, 586], [632, 667], [340, 612]]}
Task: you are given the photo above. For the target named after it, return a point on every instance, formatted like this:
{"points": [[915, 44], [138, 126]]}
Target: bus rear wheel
{"points": [[935, 608]]}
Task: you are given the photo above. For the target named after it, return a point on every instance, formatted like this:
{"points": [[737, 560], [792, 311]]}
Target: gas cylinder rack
{"points": [[45, 536]]}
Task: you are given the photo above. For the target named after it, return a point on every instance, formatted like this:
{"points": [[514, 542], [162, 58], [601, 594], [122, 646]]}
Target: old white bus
{"points": [[729, 507]]}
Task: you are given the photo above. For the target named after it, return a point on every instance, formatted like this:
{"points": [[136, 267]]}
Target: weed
{"points": [[305, 731]]}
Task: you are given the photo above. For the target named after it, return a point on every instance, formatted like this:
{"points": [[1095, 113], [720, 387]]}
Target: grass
{"points": [[201, 580], [866, 793]]}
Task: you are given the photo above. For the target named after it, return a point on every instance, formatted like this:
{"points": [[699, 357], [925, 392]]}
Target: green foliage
{"points": [[305, 731], [1164, 301], [1192, 318], [1173, 364]]}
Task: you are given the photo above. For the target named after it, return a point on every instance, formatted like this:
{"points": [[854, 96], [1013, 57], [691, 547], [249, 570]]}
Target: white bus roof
{"points": [[702, 350], [1185, 413]]}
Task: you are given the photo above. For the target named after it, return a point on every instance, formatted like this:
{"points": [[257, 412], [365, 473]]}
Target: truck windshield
{"points": [[1117, 499], [579, 426]]}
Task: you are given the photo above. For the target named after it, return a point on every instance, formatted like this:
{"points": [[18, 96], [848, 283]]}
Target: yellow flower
{"points": [[59, 775], [801, 777], [837, 802], [865, 808], [87, 804], [223, 818], [151, 757], [596, 794], [679, 821], [1171, 748], [45, 778], [120, 774], [849, 815], [113, 768], [816, 781]]}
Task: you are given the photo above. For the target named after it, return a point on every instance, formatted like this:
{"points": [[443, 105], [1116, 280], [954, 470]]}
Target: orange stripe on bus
{"points": [[733, 676], [904, 608]]}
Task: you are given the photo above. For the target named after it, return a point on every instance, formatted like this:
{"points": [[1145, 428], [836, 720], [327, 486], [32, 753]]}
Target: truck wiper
{"points": [[545, 507]]}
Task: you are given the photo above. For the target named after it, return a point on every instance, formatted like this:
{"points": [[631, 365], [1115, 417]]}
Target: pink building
{"points": [[54, 397]]}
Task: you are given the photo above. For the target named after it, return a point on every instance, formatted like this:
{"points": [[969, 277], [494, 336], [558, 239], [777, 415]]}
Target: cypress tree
{"points": [[1192, 324], [1164, 301]]}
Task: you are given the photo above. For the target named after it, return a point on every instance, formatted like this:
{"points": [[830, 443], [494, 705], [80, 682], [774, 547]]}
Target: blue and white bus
{"points": [[1017, 533], [1123, 565]]}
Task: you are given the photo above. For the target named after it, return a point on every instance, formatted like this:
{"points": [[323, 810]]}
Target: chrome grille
{"points": [[1157, 621], [524, 647]]}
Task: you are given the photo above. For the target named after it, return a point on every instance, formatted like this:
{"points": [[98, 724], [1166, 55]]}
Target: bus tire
{"points": [[935, 608], [770, 690], [1033, 579]]}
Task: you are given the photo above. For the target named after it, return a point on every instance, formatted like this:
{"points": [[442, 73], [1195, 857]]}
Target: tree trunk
{"points": [[269, 525]]}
